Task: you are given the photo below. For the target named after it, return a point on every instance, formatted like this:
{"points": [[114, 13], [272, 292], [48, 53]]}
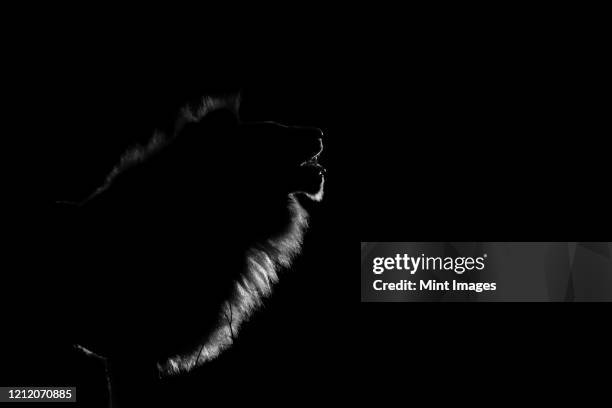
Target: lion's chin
{"points": [[318, 195]]}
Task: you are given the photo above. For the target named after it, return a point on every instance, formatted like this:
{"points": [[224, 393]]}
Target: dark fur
{"points": [[193, 228]]}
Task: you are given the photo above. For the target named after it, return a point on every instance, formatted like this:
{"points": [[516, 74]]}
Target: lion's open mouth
{"points": [[311, 177], [313, 164]]}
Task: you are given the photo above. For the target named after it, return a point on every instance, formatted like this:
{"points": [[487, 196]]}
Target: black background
{"points": [[485, 129], [486, 135]]}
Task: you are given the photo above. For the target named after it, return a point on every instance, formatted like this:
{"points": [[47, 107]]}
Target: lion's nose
{"points": [[320, 140]]}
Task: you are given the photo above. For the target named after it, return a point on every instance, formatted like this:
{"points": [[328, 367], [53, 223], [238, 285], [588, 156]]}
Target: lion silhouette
{"points": [[187, 235]]}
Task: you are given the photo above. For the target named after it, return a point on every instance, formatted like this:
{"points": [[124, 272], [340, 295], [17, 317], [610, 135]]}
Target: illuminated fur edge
{"points": [[162, 137], [264, 261]]}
